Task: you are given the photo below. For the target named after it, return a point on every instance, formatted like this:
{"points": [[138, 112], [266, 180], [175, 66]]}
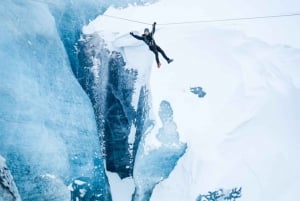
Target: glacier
{"points": [[48, 130], [62, 133], [155, 163], [46, 118], [118, 85], [84, 115], [250, 83], [111, 87], [8, 189]]}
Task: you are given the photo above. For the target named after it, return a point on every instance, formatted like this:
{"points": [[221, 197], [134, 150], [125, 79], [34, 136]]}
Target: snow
{"points": [[79, 182], [244, 132], [122, 189]]}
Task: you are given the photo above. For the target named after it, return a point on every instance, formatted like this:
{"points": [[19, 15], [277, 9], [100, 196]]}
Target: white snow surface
{"points": [[245, 131]]}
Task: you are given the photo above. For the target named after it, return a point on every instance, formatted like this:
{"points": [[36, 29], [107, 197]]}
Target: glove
{"points": [[131, 33], [154, 23]]}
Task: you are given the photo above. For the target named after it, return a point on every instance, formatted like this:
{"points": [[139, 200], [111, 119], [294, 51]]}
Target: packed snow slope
{"points": [[245, 131]]}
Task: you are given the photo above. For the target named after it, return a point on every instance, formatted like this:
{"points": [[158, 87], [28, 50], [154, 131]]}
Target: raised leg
{"points": [[162, 53]]}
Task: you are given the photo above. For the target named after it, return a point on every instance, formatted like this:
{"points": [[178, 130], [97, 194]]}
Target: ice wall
{"points": [[157, 154], [110, 87], [116, 71], [47, 126], [8, 189], [114, 86], [70, 16], [48, 130]]}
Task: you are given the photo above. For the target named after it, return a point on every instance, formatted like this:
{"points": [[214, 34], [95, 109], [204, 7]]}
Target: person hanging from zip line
{"points": [[147, 37]]}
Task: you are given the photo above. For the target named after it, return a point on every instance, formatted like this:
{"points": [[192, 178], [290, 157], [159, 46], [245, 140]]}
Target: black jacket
{"points": [[149, 40]]}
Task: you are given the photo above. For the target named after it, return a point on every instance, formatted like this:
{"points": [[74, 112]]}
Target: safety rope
{"points": [[208, 21]]}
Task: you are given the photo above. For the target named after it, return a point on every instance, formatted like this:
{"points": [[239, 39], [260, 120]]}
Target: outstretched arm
{"points": [[153, 28], [136, 36]]}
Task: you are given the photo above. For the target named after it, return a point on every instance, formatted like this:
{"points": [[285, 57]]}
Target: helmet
{"points": [[146, 30]]}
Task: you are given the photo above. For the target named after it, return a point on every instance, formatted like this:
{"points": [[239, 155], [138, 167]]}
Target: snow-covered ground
{"points": [[245, 131]]}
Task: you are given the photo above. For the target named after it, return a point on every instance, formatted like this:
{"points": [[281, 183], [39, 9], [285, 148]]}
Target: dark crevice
{"points": [[110, 84]]}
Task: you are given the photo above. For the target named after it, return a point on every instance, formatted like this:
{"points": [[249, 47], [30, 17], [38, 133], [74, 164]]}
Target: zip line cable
{"points": [[208, 21], [200, 21]]}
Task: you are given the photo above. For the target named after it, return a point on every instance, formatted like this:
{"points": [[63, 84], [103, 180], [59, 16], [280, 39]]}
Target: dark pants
{"points": [[156, 49]]}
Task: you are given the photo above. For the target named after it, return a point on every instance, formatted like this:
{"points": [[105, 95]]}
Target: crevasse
{"points": [[48, 130]]}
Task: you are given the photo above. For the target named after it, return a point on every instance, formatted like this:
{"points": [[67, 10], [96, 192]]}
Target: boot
{"points": [[170, 60], [158, 65]]}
